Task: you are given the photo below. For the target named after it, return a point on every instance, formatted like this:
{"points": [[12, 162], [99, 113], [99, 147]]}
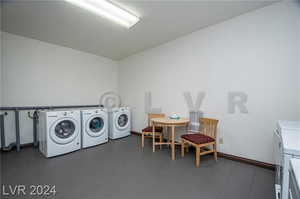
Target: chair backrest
{"points": [[209, 127], [154, 115]]}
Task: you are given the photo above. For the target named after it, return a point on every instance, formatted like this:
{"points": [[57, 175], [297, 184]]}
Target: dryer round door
{"points": [[64, 130], [122, 121], [95, 126]]}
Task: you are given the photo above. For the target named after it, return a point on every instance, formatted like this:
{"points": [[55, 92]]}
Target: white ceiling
{"points": [[63, 24]]}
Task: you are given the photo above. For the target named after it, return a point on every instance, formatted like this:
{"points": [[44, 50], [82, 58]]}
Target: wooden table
{"points": [[167, 122]]}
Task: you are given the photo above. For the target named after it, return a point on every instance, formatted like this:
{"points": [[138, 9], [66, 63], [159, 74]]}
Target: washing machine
{"points": [[94, 123], [286, 147], [119, 122], [59, 132]]}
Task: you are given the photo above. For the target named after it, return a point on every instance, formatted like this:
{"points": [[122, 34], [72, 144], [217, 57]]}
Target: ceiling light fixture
{"points": [[108, 10]]}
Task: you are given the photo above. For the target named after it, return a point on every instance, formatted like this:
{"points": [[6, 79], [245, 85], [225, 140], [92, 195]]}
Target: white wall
{"points": [[254, 53], [298, 65], [1, 57], [1, 83], [38, 73]]}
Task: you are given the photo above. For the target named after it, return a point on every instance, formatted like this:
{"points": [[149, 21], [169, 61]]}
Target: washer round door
{"points": [[64, 130], [95, 126], [122, 120]]}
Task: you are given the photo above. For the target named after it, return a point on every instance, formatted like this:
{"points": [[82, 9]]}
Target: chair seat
{"points": [[198, 138], [149, 129]]}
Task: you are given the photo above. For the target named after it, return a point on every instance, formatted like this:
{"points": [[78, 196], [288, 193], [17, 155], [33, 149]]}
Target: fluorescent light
{"points": [[108, 10]]}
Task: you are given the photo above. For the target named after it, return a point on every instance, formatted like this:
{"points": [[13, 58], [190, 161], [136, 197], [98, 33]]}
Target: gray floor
{"points": [[121, 170]]}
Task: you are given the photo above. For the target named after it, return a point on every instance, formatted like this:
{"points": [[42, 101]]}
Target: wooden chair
{"points": [[148, 131], [206, 138]]}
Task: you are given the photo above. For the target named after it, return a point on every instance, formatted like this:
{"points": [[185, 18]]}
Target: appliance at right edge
{"points": [[119, 122], [286, 147]]}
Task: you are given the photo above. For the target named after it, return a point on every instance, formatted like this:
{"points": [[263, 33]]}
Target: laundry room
{"points": [[51, 75], [121, 99]]}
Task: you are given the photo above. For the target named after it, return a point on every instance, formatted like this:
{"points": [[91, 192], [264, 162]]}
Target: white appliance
{"points": [[294, 184], [286, 147], [119, 122], [94, 123], [59, 132]]}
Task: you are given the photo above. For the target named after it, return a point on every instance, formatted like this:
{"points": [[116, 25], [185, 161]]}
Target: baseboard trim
{"points": [[135, 133], [236, 158], [28, 145], [247, 161]]}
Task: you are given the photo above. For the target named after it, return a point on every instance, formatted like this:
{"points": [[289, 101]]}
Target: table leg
{"points": [[153, 137], [168, 136], [173, 143]]}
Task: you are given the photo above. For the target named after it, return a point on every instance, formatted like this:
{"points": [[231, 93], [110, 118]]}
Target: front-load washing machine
{"points": [[94, 123], [59, 132], [119, 122]]}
